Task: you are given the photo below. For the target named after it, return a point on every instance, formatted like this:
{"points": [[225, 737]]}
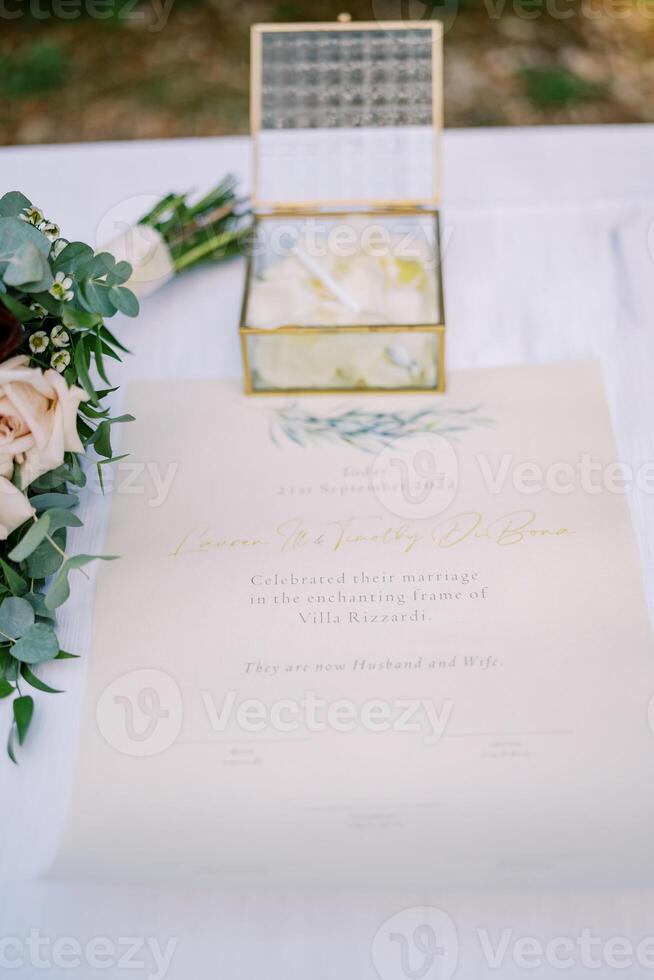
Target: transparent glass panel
{"points": [[346, 78], [343, 361], [350, 270], [347, 115]]}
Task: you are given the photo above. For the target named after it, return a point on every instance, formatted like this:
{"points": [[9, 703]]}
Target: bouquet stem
{"points": [[213, 228]]}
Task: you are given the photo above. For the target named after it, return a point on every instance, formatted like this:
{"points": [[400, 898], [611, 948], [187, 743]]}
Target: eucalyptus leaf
{"points": [[36, 682], [55, 478], [61, 517], [16, 617], [46, 560], [59, 590], [16, 582], [103, 263], [121, 272], [28, 268], [37, 602], [23, 712], [124, 300], [38, 645], [14, 234], [73, 259], [75, 473], [12, 203], [43, 501], [30, 541], [11, 671], [94, 297], [6, 689]]}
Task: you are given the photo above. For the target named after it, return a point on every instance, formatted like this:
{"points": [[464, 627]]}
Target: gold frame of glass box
{"points": [[265, 210]]}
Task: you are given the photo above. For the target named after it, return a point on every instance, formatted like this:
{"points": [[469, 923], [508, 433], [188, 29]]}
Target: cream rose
{"points": [[38, 424]]}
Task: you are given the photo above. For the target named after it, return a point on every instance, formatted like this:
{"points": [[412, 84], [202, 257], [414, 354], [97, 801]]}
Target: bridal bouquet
{"points": [[178, 234], [54, 298]]}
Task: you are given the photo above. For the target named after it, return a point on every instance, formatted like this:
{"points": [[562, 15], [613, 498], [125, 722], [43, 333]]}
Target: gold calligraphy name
{"points": [[294, 535], [197, 540], [510, 529]]}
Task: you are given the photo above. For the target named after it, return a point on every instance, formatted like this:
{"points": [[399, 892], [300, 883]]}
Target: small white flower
{"points": [[60, 361], [32, 215], [39, 342], [50, 230], [60, 336], [60, 288], [38, 309], [58, 248]]}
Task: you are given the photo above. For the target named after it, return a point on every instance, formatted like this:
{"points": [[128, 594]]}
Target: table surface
{"points": [[549, 255]]}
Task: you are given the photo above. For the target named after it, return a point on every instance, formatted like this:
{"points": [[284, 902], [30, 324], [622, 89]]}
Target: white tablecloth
{"points": [[549, 254]]}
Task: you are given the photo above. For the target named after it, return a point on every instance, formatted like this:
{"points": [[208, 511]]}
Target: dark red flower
{"points": [[12, 333]]}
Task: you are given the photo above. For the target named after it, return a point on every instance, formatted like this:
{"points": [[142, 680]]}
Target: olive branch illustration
{"points": [[369, 431]]}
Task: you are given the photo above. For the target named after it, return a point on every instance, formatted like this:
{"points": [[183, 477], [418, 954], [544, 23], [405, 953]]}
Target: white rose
{"points": [[15, 508], [38, 424]]}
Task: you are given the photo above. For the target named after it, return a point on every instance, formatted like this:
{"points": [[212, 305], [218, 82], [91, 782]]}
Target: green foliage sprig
{"points": [[54, 298], [214, 228], [369, 430]]}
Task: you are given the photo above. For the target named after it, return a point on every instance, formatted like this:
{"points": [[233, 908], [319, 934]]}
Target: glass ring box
{"points": [[344, 282]]}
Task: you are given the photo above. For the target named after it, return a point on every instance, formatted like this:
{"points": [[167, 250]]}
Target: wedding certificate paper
{"points": [[371, 637]]}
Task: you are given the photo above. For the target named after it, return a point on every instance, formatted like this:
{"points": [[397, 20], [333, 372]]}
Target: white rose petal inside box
{"points": [[322, 274], [344, 286]]}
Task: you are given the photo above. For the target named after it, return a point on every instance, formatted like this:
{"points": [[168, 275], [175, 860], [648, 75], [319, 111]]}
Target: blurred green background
{"points": [[118, 69]]}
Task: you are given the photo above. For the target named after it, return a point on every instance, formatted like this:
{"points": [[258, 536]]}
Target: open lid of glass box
{"points": [[346, 115]]}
